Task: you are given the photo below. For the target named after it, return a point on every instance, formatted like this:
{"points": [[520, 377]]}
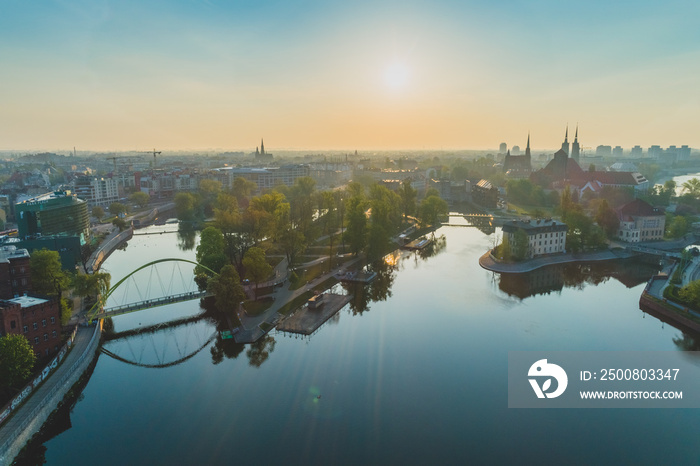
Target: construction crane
{"points": [[115, 162], [154, 152]]}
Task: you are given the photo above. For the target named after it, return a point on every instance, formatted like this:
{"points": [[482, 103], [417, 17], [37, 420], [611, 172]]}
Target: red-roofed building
{"points": [[640, 221]]}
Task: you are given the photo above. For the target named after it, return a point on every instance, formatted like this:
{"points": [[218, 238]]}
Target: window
{"points": [[26, 329], [35, 325], [36, 340], [53, 334], [53, 320], [13, 324], [46, 337], [24, 281], [43, 322]]}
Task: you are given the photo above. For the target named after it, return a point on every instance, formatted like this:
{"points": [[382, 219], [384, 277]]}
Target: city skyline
{"points": [[334, 76]]}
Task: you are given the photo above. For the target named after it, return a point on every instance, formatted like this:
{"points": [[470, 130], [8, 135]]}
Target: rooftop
{"points": [[27, 301]]}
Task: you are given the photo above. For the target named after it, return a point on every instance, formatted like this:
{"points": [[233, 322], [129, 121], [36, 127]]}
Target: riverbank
{"points": [[490, 263]]}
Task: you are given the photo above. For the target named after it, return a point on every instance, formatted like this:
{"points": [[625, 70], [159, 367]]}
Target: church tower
{"points": [[565, 144], [575, 148], [527, 152], [262, 147]]}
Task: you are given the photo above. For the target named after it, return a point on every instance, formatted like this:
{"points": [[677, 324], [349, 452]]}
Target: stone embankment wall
{"points": [[107, 247], [24, 432], [664, 310]]}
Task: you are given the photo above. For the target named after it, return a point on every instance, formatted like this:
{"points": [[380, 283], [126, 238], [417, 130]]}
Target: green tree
{"points": [[98, 212], [431, 208], [243, 189], [256, 267], [678, 227], [139, 198], [185, 207], [120, 223], [90, 286], [227, 289], [209, 190], [692, 187], [356, 232], [16, 360], [116, 208], [408, 198], [520, 245], [607, 219], [48, 277], [210, 251], [504, 251]]}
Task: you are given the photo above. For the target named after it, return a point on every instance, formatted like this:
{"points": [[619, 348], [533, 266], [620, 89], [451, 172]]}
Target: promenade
{"points": [[33, 413], [488, 262]]}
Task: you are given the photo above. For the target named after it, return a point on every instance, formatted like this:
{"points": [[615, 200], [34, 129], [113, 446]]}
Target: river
{"points": [[414, 371]]}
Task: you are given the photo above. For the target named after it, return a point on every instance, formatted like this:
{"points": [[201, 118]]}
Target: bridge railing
{"points": [[151, 303]]}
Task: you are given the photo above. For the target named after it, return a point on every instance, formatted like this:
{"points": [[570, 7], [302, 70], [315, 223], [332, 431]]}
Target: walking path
{"points": [[31, 408], [489, 263]]}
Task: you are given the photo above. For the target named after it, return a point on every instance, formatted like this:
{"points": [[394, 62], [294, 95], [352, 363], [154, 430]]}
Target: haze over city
{"points": [[346, 75]]}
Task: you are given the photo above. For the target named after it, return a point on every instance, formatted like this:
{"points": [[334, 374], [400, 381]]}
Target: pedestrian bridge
{"points": [[154, 284]]}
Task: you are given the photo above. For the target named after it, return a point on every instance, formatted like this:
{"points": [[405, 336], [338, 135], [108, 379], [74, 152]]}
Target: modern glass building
{"points": [[53, 214]]}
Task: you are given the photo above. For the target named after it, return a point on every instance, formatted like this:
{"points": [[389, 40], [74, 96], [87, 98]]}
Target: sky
{"points": [[347, 75]]}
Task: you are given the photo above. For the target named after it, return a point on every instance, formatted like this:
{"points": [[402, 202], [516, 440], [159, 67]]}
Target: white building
{"points": [[543, 236], [96, 191]]}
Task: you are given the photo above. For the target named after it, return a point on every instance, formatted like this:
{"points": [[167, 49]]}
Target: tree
{"points": [[48, 277], [116, 208], [607, 219], [140, 198], [209, 190], [91, 285], [520, 245], [356, 231], [210, 251], [98, 212], [16, 360], [690, 293], [227, 289], [242, 189], [431, 208], [678, 227], [256, 267], [185, 207], [408, 198], [120, 223], [692, 187]]}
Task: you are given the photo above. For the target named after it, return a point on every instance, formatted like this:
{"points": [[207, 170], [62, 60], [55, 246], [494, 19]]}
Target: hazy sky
{"points": [[345, 74]]}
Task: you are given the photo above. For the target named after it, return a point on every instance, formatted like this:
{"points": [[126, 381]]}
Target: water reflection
{"points": [[483, 224], [186, 237], [554, 278], [377, 290]]}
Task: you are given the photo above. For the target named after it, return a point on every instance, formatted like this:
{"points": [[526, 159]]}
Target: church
{"points": [[518, 166]]}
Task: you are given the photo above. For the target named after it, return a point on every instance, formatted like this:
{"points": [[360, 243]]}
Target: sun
{"points": [[396, 76]]}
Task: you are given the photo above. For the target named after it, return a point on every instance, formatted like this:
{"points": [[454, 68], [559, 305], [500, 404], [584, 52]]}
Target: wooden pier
{"points": [[306, 321]]}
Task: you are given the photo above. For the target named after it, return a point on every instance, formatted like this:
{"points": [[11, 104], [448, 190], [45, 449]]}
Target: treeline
{"points": [[288, 219]]}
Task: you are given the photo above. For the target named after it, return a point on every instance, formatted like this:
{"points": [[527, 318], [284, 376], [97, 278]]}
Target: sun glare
{"points": [[396, 76]]}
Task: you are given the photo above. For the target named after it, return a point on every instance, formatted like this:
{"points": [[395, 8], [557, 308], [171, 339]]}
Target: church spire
{"points": [[262, 147], [565, 144], [575, 147], [527, 149]]}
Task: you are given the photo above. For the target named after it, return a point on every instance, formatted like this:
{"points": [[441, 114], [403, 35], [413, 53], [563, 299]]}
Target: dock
{"points": [[417, 244], [306, 321], [356, 277]]}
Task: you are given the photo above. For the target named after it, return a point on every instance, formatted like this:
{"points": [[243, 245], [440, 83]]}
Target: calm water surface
{"points": [[417, 378]]}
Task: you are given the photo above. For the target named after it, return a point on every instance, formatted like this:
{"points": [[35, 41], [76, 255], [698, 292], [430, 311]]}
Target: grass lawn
{"points": [[255, 308], [529, 209]]}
